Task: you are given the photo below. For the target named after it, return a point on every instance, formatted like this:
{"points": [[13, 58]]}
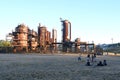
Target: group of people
{"points": [[92, 59], [104, 63]]}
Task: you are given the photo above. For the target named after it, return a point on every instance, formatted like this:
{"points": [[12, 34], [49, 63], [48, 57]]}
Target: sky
{"points": [[92, 20]]}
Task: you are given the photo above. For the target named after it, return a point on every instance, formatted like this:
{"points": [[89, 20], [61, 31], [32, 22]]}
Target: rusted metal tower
{"points": [[44, 38], [66, 31], [66, 34], [20, 39]]}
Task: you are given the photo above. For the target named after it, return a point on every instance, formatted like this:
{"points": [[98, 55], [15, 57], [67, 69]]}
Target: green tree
{"points": [[5, 43]]}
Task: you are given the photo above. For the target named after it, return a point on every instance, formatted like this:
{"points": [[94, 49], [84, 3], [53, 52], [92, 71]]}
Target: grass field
{"points": [[56, 67]]}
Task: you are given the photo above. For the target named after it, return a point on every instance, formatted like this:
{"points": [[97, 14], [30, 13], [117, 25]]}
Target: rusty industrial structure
{"points": [[78, 45], [20, 39], [44, 38], [44, 41], [32, 40], [66, 35]]}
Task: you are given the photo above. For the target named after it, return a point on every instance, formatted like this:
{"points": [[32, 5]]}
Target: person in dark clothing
{"points": [[88, 63], [79, 58], [104, 63], [94, 55], [88, 58], [88, 55], [100, 63]]}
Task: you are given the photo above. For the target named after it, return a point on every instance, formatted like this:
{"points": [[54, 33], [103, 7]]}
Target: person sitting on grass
{"points": [[104, 63], [88, 63], [88, 57], [100, 63]]}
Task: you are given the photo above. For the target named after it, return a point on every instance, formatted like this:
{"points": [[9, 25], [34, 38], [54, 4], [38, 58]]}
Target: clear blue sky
{"points": [[92, 20]]}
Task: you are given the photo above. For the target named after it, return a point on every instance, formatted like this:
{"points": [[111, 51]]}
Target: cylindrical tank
{"points": [[42, 36], [54, 35], [49, 36], [66, 30]]}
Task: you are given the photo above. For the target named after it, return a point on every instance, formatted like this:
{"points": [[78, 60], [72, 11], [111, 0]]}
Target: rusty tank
{"points": [[42, 35], [66, 35], [54, 35], [44, 38], [66, 30]]}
